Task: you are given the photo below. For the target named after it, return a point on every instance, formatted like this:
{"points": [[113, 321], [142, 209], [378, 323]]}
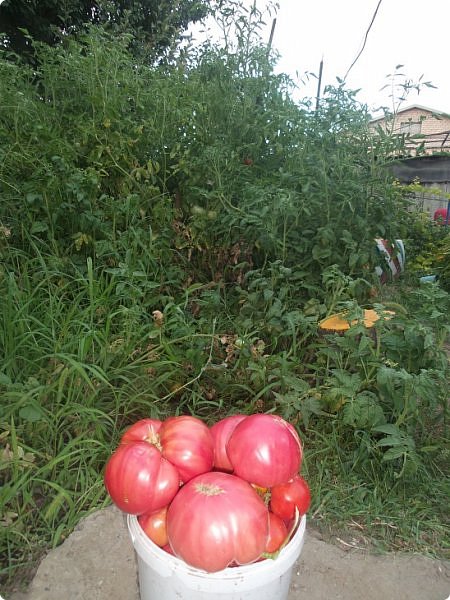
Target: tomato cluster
{"points": [[215, 496]]}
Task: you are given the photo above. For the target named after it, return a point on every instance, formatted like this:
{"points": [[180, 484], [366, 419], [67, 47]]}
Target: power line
{"points": [[365, 39]]}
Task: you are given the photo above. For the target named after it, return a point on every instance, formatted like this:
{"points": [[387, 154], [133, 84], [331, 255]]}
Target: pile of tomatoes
{"points": [[215, 496]]}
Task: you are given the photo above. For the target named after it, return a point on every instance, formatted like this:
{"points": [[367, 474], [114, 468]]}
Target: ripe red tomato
{"points": [[187, 443], [145, 430], [217, 519], [277, 533], [221, 432], [265, 450], [154, 525], [285, 497], [139, 479]]}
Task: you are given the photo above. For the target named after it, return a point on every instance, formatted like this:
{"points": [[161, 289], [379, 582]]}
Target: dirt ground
{"points": [[97, 562]]}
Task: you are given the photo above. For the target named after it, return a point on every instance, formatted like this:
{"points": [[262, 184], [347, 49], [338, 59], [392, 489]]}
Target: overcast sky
{"points": [[407, 32]]}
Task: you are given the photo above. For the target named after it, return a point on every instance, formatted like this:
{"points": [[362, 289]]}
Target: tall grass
{"points": [[78, 366]]}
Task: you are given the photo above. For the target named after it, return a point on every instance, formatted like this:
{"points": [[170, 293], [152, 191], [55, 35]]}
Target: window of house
{"points": [[411, 127]]}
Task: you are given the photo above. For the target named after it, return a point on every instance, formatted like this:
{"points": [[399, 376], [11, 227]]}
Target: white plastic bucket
{"points": [[165, 577]]}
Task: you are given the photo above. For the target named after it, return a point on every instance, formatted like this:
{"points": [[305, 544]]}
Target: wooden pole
{"points": [[319, 84], [269, 45]]}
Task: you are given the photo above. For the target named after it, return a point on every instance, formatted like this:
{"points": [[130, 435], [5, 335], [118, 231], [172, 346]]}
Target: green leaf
{"points": [[4, 379], [391, 441], [353, 260], [363, 411], [298, 385], [430, 449], [351, 382], [39, 227], [393, 454], [319, 252], [31, 413], [388, 428], [310, 406]]}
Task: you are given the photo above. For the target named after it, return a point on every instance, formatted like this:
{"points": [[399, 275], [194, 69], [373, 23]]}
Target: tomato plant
{"points": [[154, 525], [217, 519], [221, 432], [139, 479], [287, 496], [265, 450]]}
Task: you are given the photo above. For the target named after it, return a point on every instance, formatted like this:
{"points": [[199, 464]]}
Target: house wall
{"points": [[436, 130], [429, 122]]}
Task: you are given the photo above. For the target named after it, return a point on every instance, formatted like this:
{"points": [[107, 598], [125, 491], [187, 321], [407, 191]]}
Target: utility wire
{"points": [[365, 39]]}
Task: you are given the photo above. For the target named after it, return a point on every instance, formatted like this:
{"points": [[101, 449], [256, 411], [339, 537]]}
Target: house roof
{"points": [[413, 106]]}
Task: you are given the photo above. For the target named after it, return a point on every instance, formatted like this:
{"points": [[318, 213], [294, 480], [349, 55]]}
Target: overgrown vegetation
{"points": [[156, 24], [170, 237], [429, 240]]}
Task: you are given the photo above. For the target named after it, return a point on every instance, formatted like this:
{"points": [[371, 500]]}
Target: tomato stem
{"points": [[153, 438], [209, 489]]}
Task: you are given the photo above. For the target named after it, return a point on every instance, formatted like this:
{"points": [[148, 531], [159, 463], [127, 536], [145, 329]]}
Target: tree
{"points": [[155, 23]]}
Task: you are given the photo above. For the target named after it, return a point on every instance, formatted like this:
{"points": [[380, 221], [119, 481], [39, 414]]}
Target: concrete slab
{"points": [[97, 562]]}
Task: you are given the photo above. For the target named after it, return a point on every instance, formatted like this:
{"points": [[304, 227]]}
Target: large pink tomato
{"points": [[221, 432], [215, 520], [187, 443], [139, 479], [265, 450], [286, 497], [145, 430]]}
